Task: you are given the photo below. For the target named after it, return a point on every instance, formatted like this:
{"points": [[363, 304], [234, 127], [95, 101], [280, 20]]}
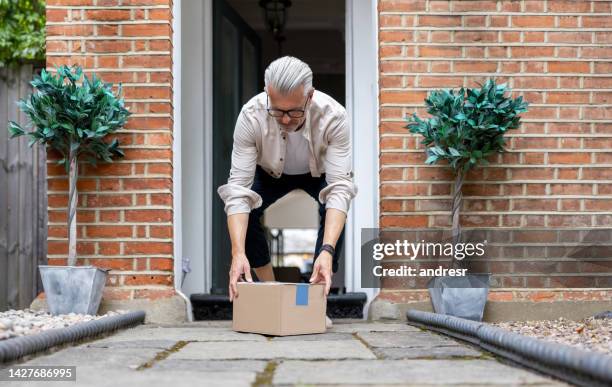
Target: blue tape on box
{"points": [[301, 294]]}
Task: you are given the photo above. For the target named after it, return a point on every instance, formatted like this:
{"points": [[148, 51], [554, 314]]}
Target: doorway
{"points": [[344, 62], [243, 46]]}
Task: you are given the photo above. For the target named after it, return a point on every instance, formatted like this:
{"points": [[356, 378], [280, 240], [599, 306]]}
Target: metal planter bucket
{"points": [[73, 289], [463, 297]]}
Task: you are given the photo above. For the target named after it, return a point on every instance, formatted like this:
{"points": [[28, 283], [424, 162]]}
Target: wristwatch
{"points": [[329, 248]]}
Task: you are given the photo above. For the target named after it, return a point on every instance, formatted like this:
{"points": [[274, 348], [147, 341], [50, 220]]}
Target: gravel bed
{"points": [[14, 323], [592, 334]]}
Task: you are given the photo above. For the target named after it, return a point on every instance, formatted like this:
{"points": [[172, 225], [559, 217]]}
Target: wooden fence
{"points": [[23, 199]]}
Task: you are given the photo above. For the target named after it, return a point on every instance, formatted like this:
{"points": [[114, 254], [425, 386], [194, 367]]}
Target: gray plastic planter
{"points": [[73, 289], [462, 296]]}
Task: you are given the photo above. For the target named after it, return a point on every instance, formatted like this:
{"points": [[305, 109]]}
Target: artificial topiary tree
{"points": [[465, 131], [73, 117]]}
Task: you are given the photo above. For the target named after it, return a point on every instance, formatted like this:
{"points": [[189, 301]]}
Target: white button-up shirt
{"points": [[258, 139]]}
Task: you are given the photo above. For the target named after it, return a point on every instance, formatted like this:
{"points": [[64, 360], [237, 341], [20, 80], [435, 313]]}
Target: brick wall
{"points": [[556, 54], [124, 208]]}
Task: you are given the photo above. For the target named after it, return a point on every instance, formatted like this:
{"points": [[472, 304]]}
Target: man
{"points": [[287, 137]]}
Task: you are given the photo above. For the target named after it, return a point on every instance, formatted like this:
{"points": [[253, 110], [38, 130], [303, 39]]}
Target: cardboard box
{"points": [[279, 308]]}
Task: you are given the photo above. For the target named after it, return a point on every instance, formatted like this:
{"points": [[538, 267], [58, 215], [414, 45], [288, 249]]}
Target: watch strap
{"points": [[329, 248]]}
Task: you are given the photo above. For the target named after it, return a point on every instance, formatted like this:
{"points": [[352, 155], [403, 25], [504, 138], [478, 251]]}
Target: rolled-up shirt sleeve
{"points": [[237, 194], [340, 189]]}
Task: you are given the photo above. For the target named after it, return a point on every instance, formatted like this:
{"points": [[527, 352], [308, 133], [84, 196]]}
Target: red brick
{"points": [[568, 67], [402, 97], [475, 67], [571, 6], [115, 231], [409, 221], [532, 21], [569, 158], [440, 52], [164, 264], [69, 30], [601, 21], [439, 21], [107, 14], [395, 36], [148, 279], [56, 15], [148, 30], [401, 5], [148, 216], [148, 248]]}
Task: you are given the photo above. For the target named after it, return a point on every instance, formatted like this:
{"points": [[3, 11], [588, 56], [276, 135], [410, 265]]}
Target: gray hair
{"points": [[288, 73]]}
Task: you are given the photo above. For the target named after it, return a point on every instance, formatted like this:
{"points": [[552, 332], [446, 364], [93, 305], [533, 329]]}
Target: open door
{"points": [[237, 77]]}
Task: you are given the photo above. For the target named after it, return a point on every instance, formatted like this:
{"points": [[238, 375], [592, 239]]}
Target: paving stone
{"points": [[406, 339], [83, 356], [316, 337], [210, 365], [423, 352], [207, 324], [372, 327], [149, 378], [159, 344], [339, 349], [407, 373], [186, 334]]}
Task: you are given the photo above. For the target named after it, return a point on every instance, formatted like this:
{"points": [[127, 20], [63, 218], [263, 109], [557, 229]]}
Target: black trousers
{"points": [[271, 189]]}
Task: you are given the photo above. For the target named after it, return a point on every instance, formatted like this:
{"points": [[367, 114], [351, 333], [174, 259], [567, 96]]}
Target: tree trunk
{"points": [[456, 226], [72, 207]]}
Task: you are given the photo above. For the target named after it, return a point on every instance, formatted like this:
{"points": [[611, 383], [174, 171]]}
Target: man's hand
{"points": [[322, 270], [240, 265]]}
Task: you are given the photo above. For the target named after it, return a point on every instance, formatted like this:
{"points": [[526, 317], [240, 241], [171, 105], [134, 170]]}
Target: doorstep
{"points": [[218, 307]]}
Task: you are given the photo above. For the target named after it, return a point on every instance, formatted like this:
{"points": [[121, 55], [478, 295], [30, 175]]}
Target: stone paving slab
{"points": [[149, 379], [339, 349], [406, 340], [372, 327], [178, 334], [159, 344], [210, 365], [194, 324], [426, 352], [108, 358], [407, 373], [316, 337]]}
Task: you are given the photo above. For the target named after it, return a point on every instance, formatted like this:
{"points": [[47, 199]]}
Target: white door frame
{"points": [[191, 179], [362, 108]]}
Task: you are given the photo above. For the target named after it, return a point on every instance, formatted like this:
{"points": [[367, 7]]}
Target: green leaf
{"points": [[431, 159], [454, 152], [15, 130]]}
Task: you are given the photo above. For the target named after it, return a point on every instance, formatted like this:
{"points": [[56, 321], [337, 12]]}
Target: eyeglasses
{"points": [[277, 113]]}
